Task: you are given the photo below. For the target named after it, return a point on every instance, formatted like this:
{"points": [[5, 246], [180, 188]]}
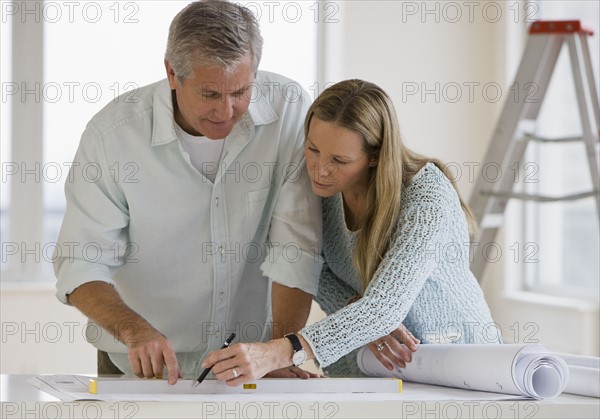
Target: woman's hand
{"points": [[242, 362], [245, 362], [389, 349]]}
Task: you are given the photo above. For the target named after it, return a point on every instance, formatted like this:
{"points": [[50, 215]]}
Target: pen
{"points": [[207, 370]]}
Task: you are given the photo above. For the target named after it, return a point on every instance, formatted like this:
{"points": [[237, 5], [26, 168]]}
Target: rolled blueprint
{"points": [[524, 370], [584, 374]]}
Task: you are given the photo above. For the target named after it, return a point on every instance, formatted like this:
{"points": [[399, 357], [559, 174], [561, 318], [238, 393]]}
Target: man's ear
{"points": [[170, 74]]}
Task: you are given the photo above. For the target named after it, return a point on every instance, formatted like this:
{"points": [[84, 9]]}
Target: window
{"points": [[5, 127], [93, 51], [561, 251]]}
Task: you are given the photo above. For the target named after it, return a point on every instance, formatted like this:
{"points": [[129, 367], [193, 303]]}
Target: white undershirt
{"points": [[205, 154]]}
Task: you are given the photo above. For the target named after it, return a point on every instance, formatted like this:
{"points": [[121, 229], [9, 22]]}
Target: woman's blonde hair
{"points": [[366, 109]]}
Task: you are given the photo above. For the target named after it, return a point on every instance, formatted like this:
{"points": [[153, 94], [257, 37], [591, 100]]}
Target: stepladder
{"points": [[515, 129]]}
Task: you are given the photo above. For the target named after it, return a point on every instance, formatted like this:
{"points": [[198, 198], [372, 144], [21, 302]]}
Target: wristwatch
{"points": [[299, 355]]}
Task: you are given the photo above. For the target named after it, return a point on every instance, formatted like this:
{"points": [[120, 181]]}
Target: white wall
{"points": [[40, 335], [387, 43]]}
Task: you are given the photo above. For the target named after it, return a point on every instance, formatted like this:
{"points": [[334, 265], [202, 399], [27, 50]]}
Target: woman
{"points": [[395, 245]]}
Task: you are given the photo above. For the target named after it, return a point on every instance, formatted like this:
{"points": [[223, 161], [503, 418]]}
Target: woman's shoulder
{"points": [[429, 183]]}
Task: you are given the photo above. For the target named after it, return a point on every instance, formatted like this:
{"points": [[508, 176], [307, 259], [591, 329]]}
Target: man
{"points": [[189, 210]]}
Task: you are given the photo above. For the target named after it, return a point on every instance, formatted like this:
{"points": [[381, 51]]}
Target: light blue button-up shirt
{"points": [[195, 259]]}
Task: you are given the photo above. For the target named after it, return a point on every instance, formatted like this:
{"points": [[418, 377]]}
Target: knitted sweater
{"points": [[423, 281]]}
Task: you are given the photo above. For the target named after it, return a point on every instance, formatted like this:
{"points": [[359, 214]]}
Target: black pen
{"points": [[207, 370]]}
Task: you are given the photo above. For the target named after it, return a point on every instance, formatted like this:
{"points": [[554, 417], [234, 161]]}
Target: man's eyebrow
{"points": [[210, 89], [242, 89]]}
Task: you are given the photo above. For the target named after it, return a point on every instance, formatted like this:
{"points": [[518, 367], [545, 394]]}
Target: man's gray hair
{"points": [[212, 32]]}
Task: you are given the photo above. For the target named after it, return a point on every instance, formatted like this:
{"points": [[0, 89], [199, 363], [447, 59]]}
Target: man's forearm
{"points": [[291, 307], [100, 302]]}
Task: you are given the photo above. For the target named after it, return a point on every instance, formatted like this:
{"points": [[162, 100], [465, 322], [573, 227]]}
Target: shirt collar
{"points": [[260, 112], [163, 124]]}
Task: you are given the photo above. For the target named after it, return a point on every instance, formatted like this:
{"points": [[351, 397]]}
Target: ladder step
{"points": [[541, 198], [532, 137], [558, 26]]}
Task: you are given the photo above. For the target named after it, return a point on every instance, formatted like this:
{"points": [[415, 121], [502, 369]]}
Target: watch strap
{"points": [[295, 341]]}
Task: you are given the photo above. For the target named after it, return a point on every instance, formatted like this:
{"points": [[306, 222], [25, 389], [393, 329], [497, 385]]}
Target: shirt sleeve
{"points": [[333, 293], [294, 254], [398, 280], [92, 239]]}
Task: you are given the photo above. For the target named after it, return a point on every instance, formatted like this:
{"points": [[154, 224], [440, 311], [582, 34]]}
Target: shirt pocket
{"points": [[256, 217]]}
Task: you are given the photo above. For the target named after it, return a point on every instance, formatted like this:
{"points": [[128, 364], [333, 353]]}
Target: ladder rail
{"points": [[544, 70], [587, 60], [509, 143], [535, 51]]}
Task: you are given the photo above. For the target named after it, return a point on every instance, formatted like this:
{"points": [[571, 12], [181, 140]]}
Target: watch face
{"points": [[299, 357]]}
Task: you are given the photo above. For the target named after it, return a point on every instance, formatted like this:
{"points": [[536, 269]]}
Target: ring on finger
{"points": [[234, 372], [381, 346]]}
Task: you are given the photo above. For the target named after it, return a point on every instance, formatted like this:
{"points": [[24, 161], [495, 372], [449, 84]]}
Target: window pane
{"points": [[95, 52], [289, 30], [566, 234]]}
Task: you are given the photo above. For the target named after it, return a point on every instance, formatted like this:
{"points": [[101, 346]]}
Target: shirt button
{"points": [[221, 295]]}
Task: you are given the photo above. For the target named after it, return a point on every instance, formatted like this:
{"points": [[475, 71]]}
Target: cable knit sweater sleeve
{"points": [[333, 292], [427, 212]]}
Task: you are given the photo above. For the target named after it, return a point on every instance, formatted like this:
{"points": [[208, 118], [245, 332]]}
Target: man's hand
{"points": [[148, 350], [389, 349]]}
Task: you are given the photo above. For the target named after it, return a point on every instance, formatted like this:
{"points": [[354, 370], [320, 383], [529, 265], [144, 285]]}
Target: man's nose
{"points": [[224, 109]]}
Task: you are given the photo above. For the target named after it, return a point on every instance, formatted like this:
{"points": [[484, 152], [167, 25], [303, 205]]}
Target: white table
{"points": [[20, 399]]}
